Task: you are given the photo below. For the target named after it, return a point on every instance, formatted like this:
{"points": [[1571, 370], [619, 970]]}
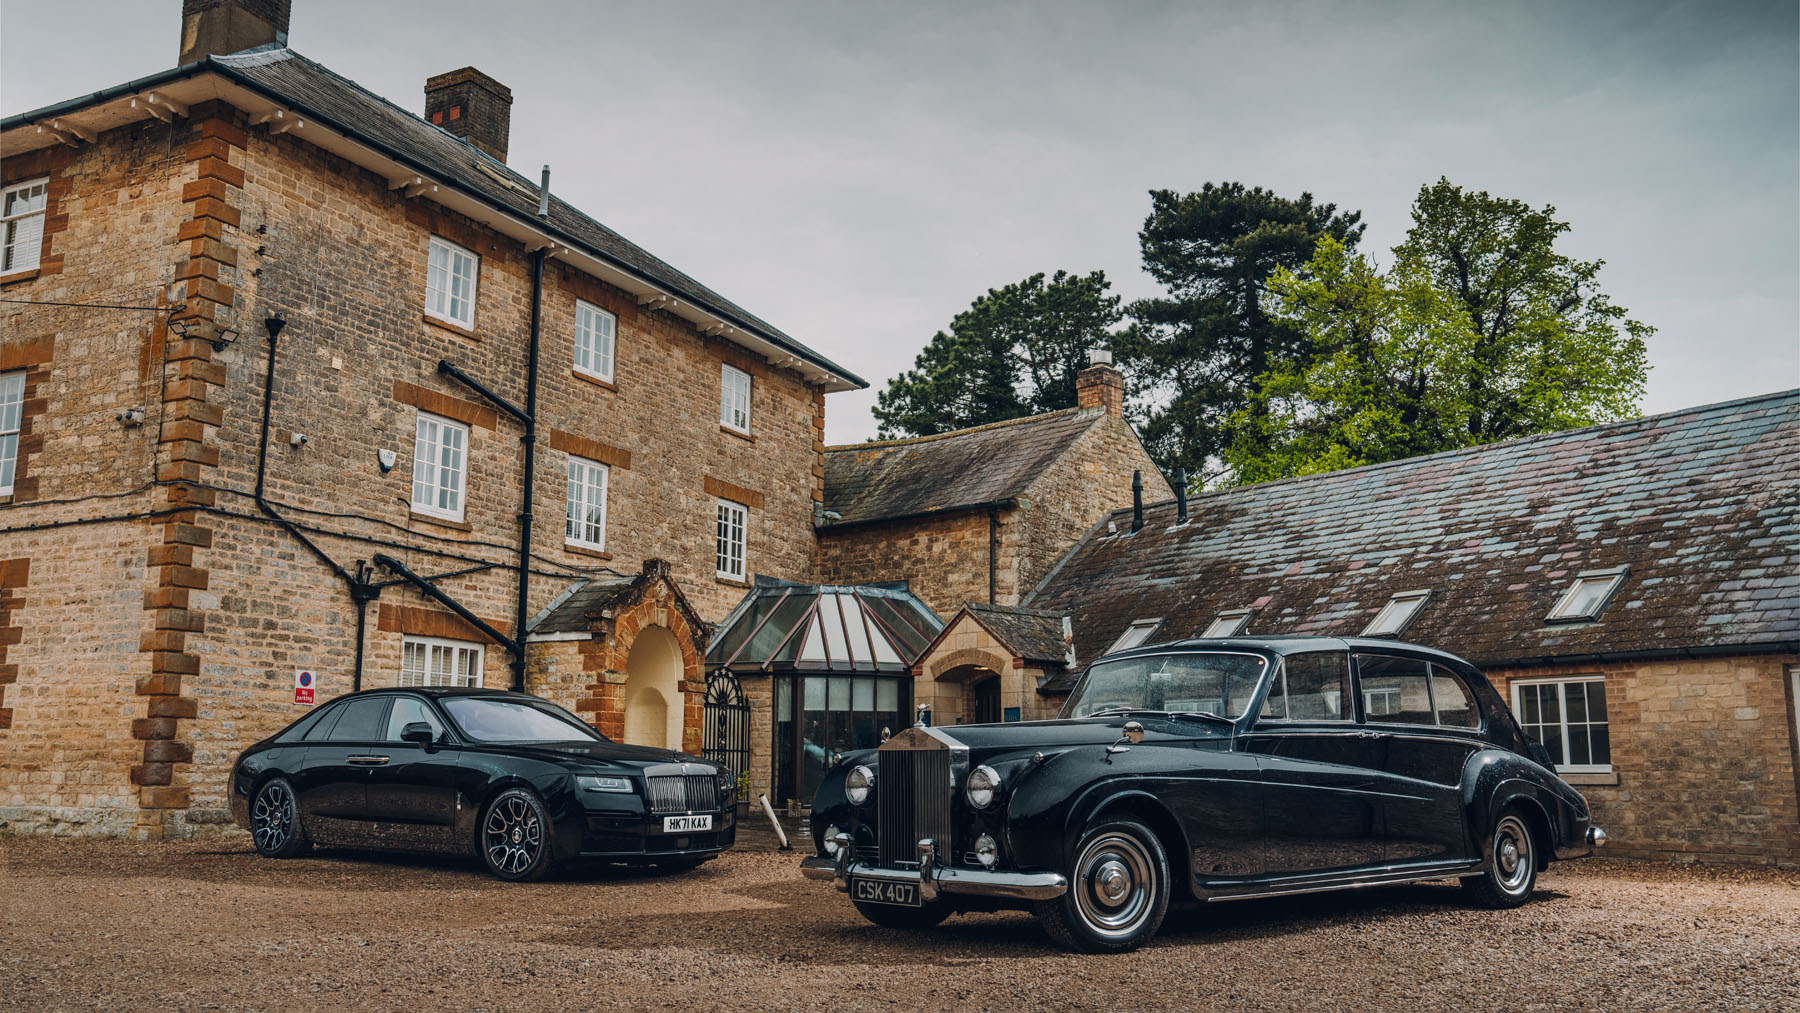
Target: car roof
{"points": [[441, 692], [1286, 644]]}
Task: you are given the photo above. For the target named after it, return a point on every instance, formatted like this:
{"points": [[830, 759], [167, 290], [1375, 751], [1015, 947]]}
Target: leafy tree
{"points": [[1480, 332], [1195, 353], [1015, 351]]}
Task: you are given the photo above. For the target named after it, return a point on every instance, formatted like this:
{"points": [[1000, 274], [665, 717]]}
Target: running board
{"points": [[1379, 878]]}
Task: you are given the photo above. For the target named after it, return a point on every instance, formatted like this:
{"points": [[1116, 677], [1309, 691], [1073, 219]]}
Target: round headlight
{"points": [[858, 784], [987, 851], [983, 783], [831, 845]]}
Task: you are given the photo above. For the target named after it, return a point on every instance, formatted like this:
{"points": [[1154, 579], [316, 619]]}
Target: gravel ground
{"points": [[209, 925]]}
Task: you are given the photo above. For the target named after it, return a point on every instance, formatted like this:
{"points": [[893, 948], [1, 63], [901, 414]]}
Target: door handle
{"points": [[366, 761]]}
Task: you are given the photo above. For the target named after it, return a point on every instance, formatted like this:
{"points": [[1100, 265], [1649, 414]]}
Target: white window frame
{"points": [[12, 422], [437, 426], [1397, 614], [1229, 623], [1136, 635], [732, 514], [1562, 718], [454, 649], [595, 328], [734, 399], [587, 479], [1613, 578], [441, 276], [22, 232]]}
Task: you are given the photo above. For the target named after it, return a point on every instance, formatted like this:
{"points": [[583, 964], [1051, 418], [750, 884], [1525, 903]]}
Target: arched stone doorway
{"points": [[654, 705]]}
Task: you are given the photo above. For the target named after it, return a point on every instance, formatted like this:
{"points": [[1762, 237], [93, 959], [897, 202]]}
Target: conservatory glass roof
{"points": [[828, 628]]}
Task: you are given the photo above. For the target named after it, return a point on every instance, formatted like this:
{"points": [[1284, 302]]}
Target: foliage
{"points": [[1480, 332], [1015, 351], [1194, 353]]}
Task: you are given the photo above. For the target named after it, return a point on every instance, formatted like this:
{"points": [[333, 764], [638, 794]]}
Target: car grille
{"points": [[912, 796], [680, 793]]}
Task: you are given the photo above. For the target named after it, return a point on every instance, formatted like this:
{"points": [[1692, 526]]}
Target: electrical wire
{"points": [[96, 306]]}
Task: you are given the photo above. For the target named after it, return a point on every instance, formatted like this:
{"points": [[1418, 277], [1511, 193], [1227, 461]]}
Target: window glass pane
{"points": [[1596, 700], [1455, 708], [1275, 705], [1220, 684], [361, 721], [321, 728], [831, 623], [405, 711], [1395, 690], [862, 694], [1394, 616], [12, 399], [1318, 683], [412, 664], [887, 695]]}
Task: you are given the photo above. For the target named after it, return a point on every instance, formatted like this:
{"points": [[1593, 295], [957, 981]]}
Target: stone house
{"points": [[295, 380], [1632, 589]]}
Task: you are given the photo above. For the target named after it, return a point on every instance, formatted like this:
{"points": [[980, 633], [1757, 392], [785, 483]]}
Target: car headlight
{"points": [[858, 784], [987, 850], [602, 782], [727, 787], [982, 785], [831, 845]]}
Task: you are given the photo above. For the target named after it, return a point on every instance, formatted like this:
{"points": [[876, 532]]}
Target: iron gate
{"points": [[727, 722]]}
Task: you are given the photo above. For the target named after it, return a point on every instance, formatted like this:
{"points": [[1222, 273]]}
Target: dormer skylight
{"points": [[1588, 596], [1397, 614], [1135, 635], [1230, 623]]}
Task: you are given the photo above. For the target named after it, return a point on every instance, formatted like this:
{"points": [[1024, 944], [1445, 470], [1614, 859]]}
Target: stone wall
{"points": [[944, 560], [1089, 481]]}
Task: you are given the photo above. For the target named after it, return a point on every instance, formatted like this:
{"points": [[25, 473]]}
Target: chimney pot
{"points": [[469, 104], [1100, 385], [217, 27], [1137, 502]]}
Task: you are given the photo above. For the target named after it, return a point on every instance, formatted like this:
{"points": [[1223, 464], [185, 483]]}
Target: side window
{"points": [[1317, 686], [321, 728], [1454, 703], [405, 711], [303, 728], [1395, 690], [361, 721]]}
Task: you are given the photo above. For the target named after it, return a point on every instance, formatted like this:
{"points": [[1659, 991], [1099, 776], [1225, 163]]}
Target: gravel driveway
{"points": [[208, 924]]}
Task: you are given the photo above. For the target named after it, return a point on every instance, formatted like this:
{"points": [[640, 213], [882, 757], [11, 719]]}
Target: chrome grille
{"points": [[912, 792], [680, 793]]}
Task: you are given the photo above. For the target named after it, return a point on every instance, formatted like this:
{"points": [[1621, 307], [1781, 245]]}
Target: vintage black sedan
{"points": [[1203, 770], [512, 778]]}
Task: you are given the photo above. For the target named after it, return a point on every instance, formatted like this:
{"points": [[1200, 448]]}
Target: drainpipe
{"points": [[530, 441], [993, 513]]}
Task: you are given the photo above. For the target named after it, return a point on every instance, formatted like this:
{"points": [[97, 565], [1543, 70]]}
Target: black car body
{"points": [[1327, 764], [509, 777]]}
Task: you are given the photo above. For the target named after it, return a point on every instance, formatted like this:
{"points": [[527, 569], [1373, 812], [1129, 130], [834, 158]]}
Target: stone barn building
{"points": [[1632, 589], [282, 364]]}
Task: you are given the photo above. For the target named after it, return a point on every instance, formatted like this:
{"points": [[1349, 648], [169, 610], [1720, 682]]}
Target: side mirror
{"points": [[1134, 732], [418, 731]]}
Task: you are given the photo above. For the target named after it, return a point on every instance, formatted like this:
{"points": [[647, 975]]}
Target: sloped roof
{"points": [[1031, 634], [967, 468], [784, 627], [572, 610], [1703, 505]]}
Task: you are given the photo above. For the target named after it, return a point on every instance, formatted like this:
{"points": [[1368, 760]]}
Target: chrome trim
{"points": [[1596, 837], [1373, 877], [935, 880]]}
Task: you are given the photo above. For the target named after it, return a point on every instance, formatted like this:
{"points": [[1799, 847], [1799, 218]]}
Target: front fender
{"points": [[1048, 812]]}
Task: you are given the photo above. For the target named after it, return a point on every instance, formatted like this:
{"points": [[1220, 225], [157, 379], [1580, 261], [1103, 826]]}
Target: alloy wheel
{"points": [[272, 817], [513, 835]]}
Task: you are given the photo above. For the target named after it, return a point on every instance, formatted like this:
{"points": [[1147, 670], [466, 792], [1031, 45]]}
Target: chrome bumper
{"points": [[1596, 837], [933, 878]]}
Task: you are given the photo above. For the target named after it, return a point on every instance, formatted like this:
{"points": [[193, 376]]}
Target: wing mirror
{"points": [[1134, 732], [420, 732]]}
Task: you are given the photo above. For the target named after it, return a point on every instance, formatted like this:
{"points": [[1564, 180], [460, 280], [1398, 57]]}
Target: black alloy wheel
{"points": [[275, 821], [1511, 866], [891, 916], [1118, 890], [516, 837]]}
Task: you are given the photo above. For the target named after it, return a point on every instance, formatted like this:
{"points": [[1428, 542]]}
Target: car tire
{"points": [[1510, 863], [890, 916], [1118, 890], [515, 837], [275, 825]]}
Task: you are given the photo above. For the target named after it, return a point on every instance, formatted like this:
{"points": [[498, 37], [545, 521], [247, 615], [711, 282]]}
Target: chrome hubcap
{"points": [[1512, 855], [514, 835], [1114, 885], [272, 817]]}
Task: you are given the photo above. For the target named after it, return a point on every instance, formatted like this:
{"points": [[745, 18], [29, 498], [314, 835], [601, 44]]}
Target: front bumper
{"points": [[616, 835], [933, 878]]}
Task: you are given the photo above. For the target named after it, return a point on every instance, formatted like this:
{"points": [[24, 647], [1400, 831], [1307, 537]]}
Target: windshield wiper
{"points": [[1199, 714]]}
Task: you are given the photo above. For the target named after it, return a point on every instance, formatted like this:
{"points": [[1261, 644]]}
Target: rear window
{"points": [[1454, 703], [1312, 687], [1395, 690], [361, 721]]}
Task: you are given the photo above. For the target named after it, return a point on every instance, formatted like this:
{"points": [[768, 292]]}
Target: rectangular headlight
{"points": [[595, 782]]}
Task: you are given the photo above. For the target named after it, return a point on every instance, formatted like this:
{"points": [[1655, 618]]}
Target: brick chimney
{"points": [[1100, 385], [211, 27], [471, 105]]}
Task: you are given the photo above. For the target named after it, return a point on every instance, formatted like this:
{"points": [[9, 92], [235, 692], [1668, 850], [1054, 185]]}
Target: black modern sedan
{"points": [[510, 777]]}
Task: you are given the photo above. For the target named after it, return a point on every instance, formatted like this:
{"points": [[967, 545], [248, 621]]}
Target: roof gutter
{"points": [[998, 504], [1648, 654]]}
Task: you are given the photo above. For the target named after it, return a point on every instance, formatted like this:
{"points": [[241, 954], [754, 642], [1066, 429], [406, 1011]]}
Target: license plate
{"points": [[686, 824], [882, 891]]}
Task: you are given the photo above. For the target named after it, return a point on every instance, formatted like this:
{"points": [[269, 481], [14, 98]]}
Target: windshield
{"points": [[486, 719], [1216, 683]]}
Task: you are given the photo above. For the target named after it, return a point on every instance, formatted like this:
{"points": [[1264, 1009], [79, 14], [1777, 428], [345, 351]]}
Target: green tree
{"points": [[1194, 354], [1015, 351], [1480, 332]]}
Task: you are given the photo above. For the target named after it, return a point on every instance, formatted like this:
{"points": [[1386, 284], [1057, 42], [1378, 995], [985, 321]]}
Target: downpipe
{"points": [[530, 441]]}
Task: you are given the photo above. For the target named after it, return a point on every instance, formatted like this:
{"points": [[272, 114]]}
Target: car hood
{"points": [[1063, 734], [599, 752]]}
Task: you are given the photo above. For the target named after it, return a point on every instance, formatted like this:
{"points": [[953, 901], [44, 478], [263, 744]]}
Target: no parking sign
{"points": [[303, 686]]}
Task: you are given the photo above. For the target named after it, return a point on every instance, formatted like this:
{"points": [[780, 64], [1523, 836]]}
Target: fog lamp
{"points": [[987, 851], [857, 784], [831, 844]]}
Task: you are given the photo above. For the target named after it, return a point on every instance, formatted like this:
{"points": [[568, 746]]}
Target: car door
{"points": [[1322, 810], [412, 798], [338, 764], [1421, 757]]}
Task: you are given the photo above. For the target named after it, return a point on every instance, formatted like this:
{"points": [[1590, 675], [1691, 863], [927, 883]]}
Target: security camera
{"points": [[131, 417], [298, 439]]}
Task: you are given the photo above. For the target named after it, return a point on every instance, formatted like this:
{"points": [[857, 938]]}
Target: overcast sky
{"points": [[857, 173]]}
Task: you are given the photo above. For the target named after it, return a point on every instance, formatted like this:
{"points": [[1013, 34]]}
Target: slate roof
{"points": [[867, 482], [343, 105], [1031, 634], [570, 611], [1703, 505]]}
